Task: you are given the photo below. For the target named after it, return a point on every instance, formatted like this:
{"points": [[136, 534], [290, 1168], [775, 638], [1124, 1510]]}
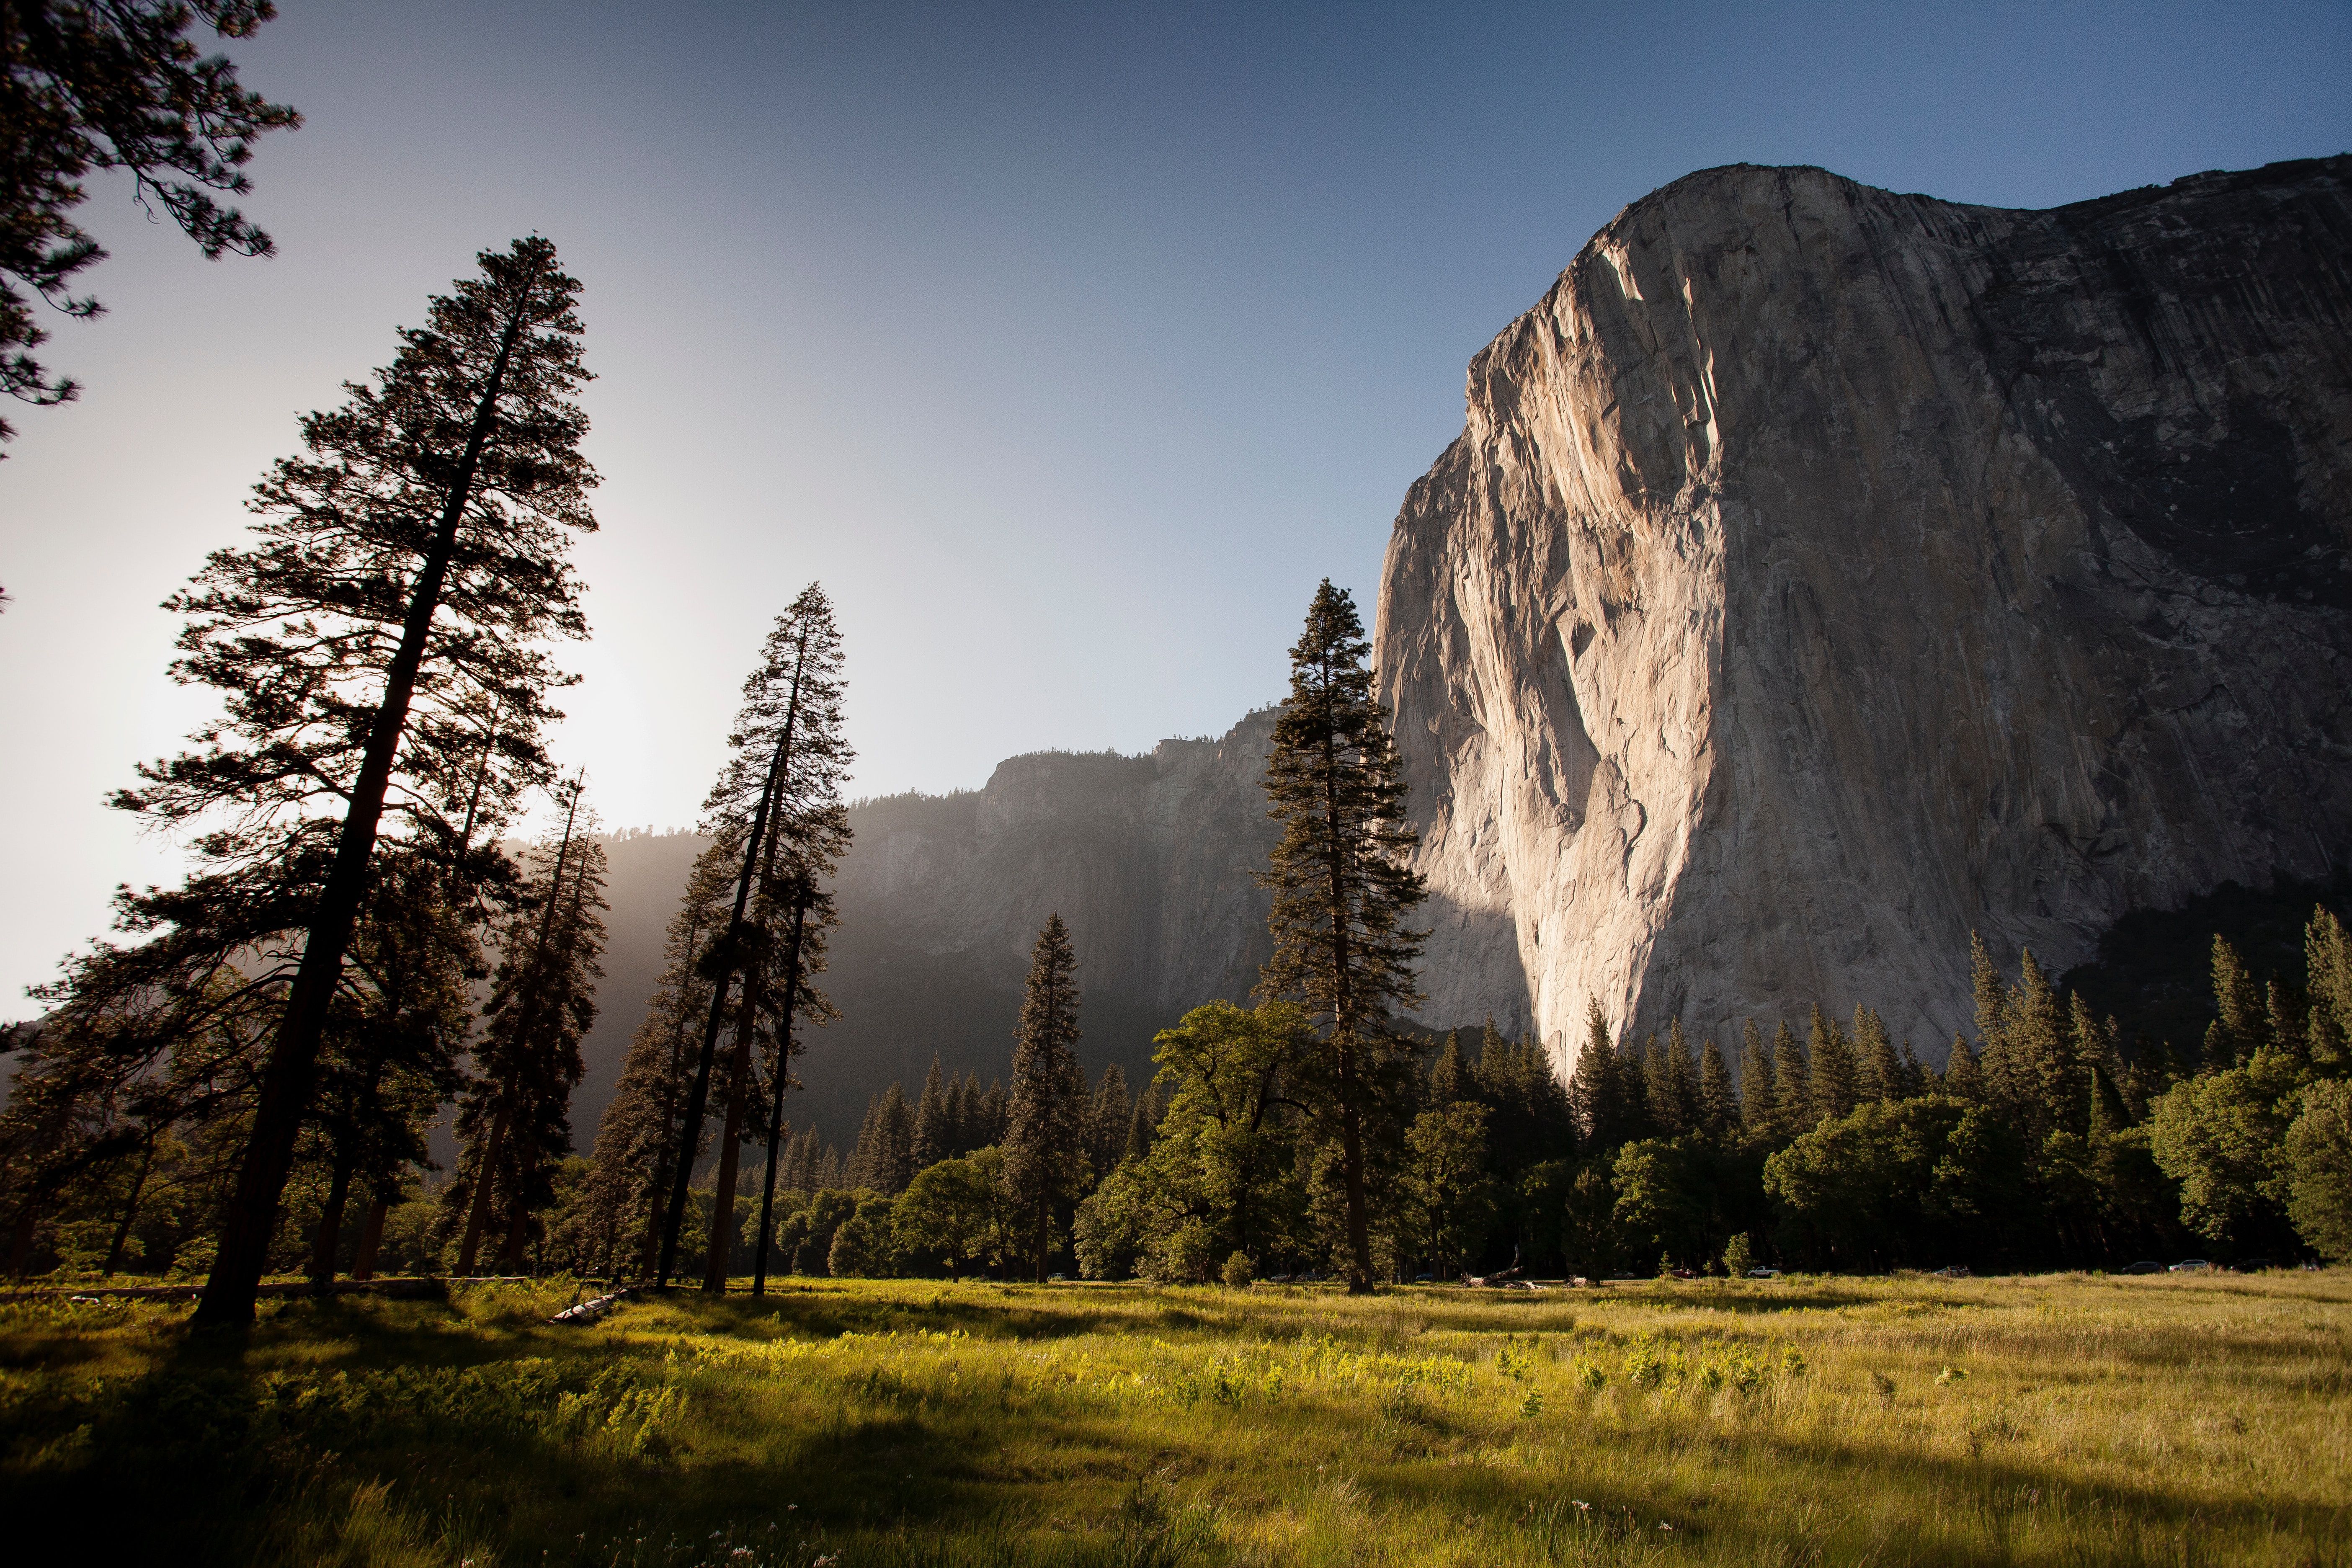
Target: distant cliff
{"points": [[1823, 572], [1150, 858]]}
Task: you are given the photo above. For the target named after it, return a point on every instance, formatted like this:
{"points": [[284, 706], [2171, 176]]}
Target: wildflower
{"points": [[1581, 1504], [1665, 1526]]}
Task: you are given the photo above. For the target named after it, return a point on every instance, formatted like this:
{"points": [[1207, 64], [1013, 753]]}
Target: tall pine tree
{"points": [[1042, 1140], [778, 796], [410, 562], [1342, 890]]}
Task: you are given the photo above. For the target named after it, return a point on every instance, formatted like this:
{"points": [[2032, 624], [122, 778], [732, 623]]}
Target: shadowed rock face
{"points": [[1823, 572], [1149, 859]]}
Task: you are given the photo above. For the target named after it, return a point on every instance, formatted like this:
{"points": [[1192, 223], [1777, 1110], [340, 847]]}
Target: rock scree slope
{"points": [[1822, 574]]}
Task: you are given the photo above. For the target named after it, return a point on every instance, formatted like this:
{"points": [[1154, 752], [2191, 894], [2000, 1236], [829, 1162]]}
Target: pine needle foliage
{"points": [[1342, 887], [114, 84]]}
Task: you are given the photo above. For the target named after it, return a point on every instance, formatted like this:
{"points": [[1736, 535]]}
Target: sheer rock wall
{"points": [[1823, 572]]}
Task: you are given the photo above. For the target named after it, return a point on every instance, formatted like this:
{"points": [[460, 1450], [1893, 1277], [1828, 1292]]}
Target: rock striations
{"points": [[1823, 572]]}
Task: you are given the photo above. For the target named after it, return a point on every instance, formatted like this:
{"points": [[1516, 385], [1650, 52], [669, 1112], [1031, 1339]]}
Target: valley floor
{"points": [[2058, 1419]]}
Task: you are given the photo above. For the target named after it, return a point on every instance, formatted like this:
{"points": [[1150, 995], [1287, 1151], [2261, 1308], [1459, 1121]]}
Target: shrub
{"points": [[1238, 1271], [1739, 1257]]}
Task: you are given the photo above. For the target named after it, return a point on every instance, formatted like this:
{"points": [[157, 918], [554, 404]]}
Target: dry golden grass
{"points": [[2061, 1419]]}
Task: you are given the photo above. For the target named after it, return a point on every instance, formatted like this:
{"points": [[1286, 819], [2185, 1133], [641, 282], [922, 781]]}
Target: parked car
{"points": [[2191, 1266], [1763, 1274], [1954, 1271], [2145, 1267]]}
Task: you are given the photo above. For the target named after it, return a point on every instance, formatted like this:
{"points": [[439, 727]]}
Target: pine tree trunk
{"points": [[721, 1262], [371, 1240], [784, 1074], [330, 1225], [478, 1204], [698, 1100], [251, 1214], [510, 1255], [130, 1212]]}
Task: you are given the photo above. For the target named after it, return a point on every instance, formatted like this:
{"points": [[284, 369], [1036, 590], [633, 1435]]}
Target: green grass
{"points": [[2063, 1419]]}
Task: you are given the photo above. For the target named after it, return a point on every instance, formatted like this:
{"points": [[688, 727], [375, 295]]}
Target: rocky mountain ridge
{"points": [[1822, 574]]}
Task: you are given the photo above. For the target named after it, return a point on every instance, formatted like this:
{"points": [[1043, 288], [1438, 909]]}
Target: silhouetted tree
{"points": [[114, 84], [516, 1117], [409, 564], [779, 795], [638, 1137], [1342, 887]]}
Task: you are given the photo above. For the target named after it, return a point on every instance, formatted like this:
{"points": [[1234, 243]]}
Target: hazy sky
{"points": [[1067, 346]]}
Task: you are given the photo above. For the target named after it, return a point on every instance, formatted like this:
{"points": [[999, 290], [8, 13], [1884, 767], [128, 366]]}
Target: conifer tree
{"points": [[114, 84], [934, 1138], [1963, 1080], [389, 1053], [1834, 1088], [636, 1138], [1674, 1098], [515, 1118], [1718, 1104], [2045, 1085], [1106, 1122], [1878, 1072], [410, 562], [1341, 888], [1795, 1109], [2244, 1019], [993, 1117], [1759, 1093], [1597, 1091], [1449, 1076], [884, 1159], [779, 795], [1042, 1140]]}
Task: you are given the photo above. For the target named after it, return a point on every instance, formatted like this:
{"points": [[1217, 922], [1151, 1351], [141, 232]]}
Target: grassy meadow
{"points": [[2055, 1419]]}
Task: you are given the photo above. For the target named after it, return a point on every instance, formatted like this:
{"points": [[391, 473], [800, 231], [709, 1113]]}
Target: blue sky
{"points": [[1068, 346]]}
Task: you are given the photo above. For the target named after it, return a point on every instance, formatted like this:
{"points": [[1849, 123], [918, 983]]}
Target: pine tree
{"points": [[1836, 1092], [1878, 1072], [2045, 1085], [1718, 1104], [636, 1138], [1043, 1141], [1595, 1093], [2244, 1019], [1106, 1122], [934, 1130], [1963, 1079], [409, 564], [1450, 1076], [995, 1118], [542, 1002], [1759, 1093], [1796, 1110], [1342, 890], [116, 84], [884, 1159], [780, 792]]}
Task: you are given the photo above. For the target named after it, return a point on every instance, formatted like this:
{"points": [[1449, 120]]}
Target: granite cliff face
{"points": [[1823, 572]]}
